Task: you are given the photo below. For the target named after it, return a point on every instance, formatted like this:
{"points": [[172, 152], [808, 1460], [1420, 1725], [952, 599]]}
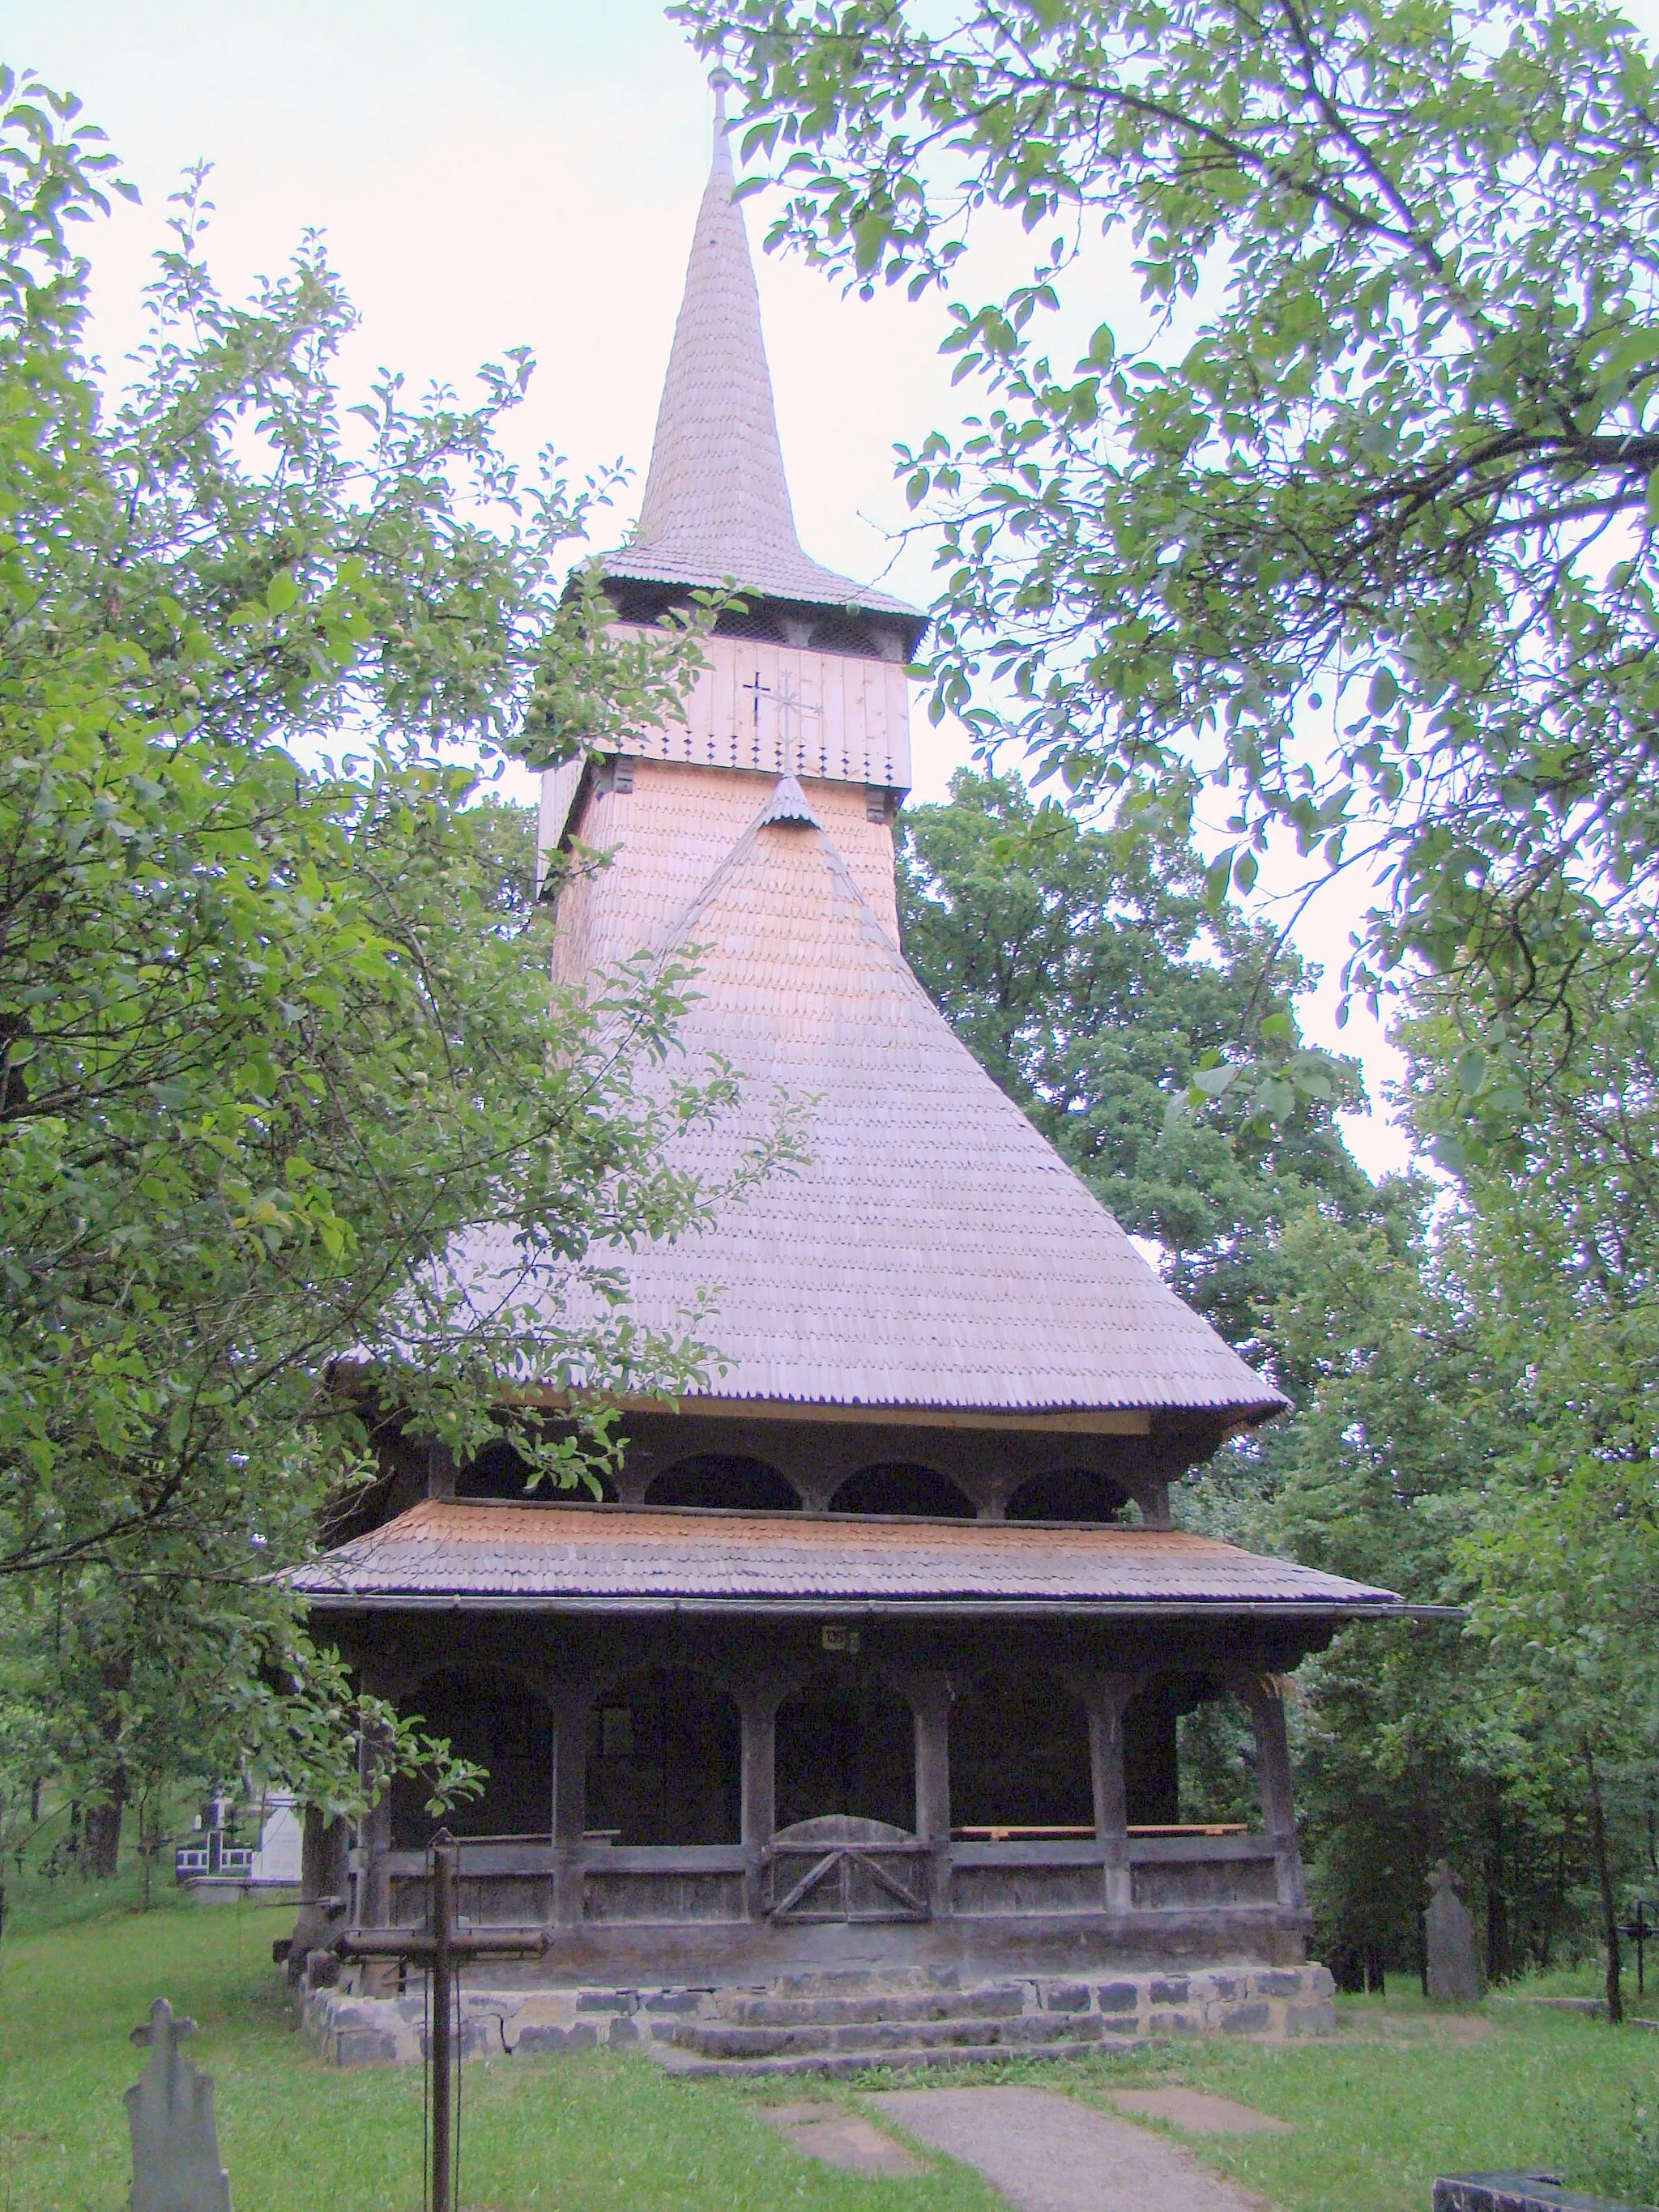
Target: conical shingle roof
{"points": [[934, 1251], [716, 500]]}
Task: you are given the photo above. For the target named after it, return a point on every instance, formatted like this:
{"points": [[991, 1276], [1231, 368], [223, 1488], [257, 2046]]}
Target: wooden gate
{"points": [[837, 1868]]}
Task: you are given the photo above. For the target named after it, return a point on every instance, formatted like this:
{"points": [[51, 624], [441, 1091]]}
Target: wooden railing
{"points": [[986, 1873]]}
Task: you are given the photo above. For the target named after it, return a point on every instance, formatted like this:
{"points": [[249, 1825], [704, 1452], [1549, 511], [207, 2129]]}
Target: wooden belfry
{"points": [[440, 1949], [879, 1652]]}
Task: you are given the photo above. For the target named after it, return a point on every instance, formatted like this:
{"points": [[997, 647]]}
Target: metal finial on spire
{"points": [[720, 83]]}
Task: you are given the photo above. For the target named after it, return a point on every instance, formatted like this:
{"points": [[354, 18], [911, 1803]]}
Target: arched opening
{"points": [[1216, 1757], [1189, 1755], [845, 1743], [895, 1487], [498, 1721], [758, 622], [723, 1479], [1020, 1753], [1071, 1493], [499, 1471], [665, 1760], [836, 633]]}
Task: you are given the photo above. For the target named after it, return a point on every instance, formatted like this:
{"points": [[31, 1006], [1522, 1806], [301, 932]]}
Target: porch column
{"points": [[325, 1859], [1266, 1700], [1105, 1697], [931, 1699], [372, 1901], [314, 1883], [570, 1702], [371, 1881], [757, 1711]]}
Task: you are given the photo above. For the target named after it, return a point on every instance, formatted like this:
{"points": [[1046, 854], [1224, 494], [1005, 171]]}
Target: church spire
{"points": [[716, 499]]}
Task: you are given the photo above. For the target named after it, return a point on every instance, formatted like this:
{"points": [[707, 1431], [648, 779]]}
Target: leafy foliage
{"points": [[1477, 1428], [275, 1027], [1085, 972], [1363, 531]]}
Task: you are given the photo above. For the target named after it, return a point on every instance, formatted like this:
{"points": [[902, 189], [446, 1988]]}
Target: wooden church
{"points": [[854, 1725]]}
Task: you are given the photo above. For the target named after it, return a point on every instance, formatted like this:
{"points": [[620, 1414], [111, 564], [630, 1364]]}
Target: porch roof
{"points": [[487, 1556]]}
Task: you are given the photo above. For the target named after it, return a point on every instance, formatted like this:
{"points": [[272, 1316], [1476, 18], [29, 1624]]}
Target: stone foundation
{"points": [[829, 2015]]}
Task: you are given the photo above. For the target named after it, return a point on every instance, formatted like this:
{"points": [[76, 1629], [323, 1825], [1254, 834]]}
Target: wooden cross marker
{"points": [[441, 1947]]}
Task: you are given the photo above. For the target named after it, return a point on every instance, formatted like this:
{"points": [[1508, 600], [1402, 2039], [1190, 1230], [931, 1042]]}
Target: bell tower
{"points": [[805, 679]]}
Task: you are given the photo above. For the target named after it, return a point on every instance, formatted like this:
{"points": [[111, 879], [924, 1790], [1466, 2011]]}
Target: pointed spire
{"points": [[716, 500]]}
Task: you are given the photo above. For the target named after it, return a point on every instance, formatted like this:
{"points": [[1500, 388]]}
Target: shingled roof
{"points": [[716, 501], [934, 1251], [562, 1558]]}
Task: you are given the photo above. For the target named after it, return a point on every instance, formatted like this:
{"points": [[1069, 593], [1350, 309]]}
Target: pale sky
{"points": [[499, 174]]}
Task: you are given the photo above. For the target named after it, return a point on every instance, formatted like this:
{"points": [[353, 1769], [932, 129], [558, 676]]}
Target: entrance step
{"points": [[1006, 2002], [841, 2062], [838, 2021], [717, 2038]]}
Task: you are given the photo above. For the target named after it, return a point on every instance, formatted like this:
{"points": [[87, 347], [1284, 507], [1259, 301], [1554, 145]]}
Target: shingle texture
{"points": [[716, 501], [553, 1553], [933, 1250]]}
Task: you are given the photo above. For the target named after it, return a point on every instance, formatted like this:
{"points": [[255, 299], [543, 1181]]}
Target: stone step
{"points": [[824, 2011], [862, 1981], [714, 2038], [905, 2060]]}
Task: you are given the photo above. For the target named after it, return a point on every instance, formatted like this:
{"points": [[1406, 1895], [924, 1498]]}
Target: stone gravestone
{"points": [[175, 2143], [1449, 1942]]}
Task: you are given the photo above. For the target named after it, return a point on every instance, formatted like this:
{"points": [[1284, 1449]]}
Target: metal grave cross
{"points": [[1640, 1931], [441, 1947], [175, 2142]]}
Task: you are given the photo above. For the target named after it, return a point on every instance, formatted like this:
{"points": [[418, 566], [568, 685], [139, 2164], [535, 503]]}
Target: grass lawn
{"points": [[1399, 2095]]}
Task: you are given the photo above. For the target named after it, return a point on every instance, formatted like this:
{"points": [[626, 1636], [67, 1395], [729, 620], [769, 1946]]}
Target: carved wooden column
{"points": [[372, 1885], [1104, 1698], [1265, 1698], [373, 1900], [931, 1699], [757, 1710], [570, 1701], [314, 1883], [325, 1888]]}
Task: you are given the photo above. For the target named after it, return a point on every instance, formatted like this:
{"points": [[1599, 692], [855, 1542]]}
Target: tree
{"points": [[1087, 973], [1476, 1428], [1364, 532], [1559, 1162], [275, 1031]]}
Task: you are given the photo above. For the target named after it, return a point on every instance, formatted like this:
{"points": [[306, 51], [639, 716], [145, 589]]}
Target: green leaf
{"points": [[1218, 877], [1214, 1082]]}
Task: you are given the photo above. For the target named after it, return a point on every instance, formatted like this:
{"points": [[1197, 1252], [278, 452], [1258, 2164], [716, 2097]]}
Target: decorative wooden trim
{"points": [[1112, 1421]]}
